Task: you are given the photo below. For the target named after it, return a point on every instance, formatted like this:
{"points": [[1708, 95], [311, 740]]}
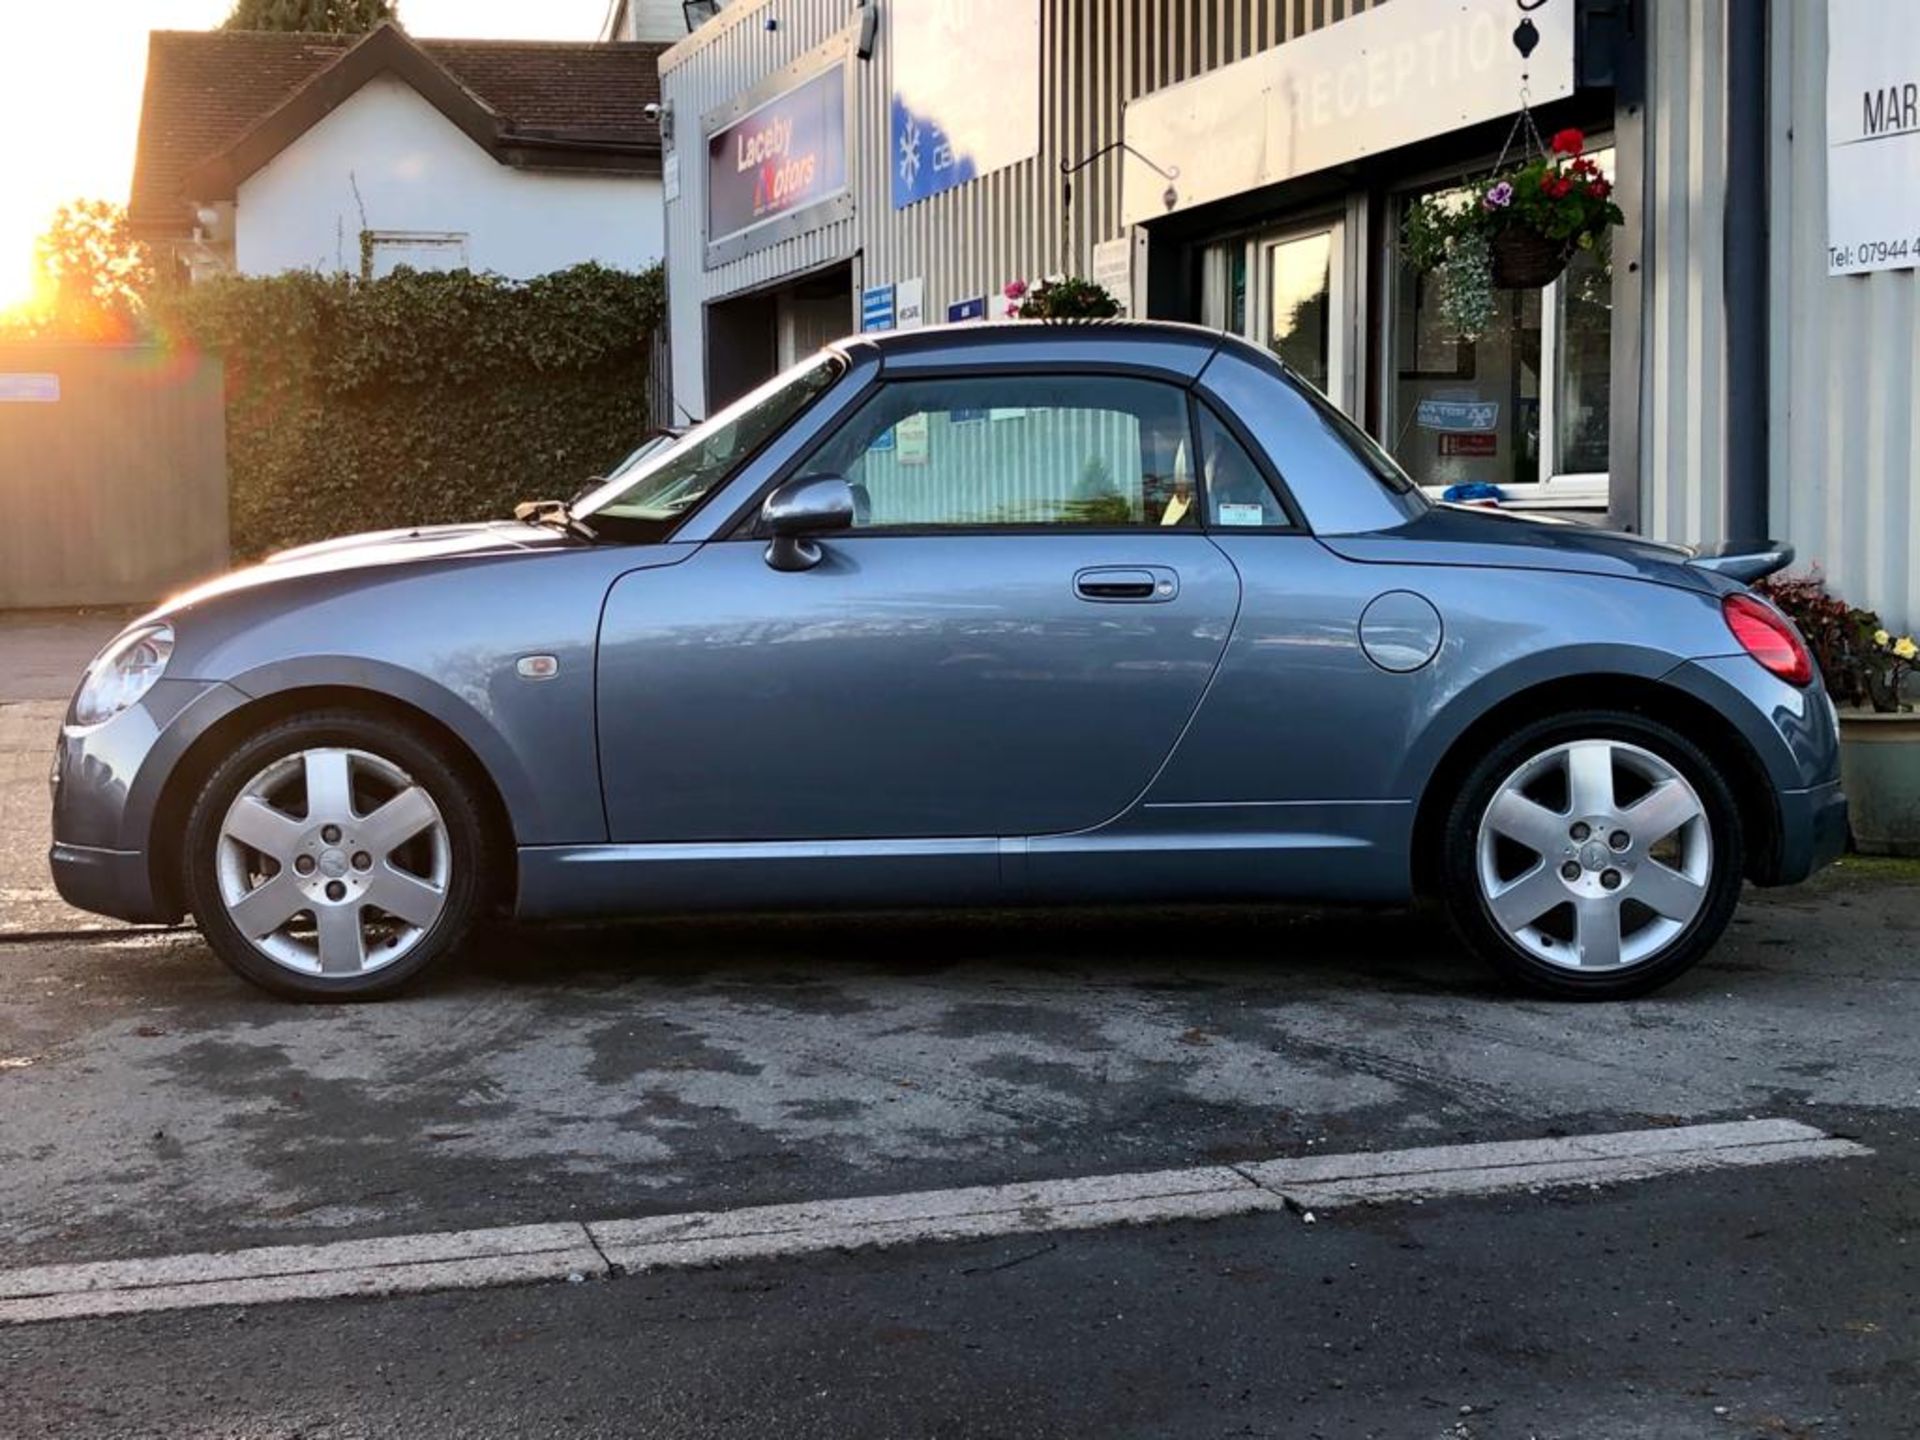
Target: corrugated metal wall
{"points": [[1845, 441], [1095, 56], [1845, 446], [1682, 432]]}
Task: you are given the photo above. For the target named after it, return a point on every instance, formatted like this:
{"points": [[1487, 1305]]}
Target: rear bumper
{"points": [[1793, 735], [1813, 833]]}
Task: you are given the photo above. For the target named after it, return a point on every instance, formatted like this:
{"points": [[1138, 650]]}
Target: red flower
{"points": [[1599, 189], [1569, 142], [1561, 187], [1546, 181]]}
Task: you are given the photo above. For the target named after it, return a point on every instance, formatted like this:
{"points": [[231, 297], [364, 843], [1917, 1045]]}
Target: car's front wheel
{"points": [[335, 857], [1594, 855]]}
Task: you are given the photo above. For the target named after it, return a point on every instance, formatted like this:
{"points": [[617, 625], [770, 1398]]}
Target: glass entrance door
{"points": [[1300, 295], [1287, 290]]}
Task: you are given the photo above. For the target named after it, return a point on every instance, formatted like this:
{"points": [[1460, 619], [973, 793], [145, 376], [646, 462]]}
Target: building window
{"points": [[1526, 407], [388, 250], [1286, 289]]}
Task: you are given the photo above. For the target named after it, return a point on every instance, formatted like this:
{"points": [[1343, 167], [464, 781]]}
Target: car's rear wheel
{"points": [[1593, 856], [335, 856]]}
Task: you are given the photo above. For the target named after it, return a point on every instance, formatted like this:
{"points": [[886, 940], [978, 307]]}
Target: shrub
{"points": [[418, 398], [1060, 297], [1859, 661]]}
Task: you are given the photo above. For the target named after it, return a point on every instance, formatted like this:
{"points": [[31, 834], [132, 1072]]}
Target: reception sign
{"points": [[966, 92], [1873, 136], [782, 157], [1383, 78]]}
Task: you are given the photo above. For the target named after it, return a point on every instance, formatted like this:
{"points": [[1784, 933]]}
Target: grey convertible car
{"points": [[1002, 614]]}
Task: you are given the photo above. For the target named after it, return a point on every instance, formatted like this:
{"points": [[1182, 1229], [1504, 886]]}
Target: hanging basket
{"points": [[1524, 259]]}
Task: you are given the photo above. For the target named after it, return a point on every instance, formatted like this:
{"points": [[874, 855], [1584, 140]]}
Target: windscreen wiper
{"points": [[556, 514]]}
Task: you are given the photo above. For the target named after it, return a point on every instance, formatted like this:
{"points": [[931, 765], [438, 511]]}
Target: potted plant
{"points": [[1060, 297], [1515, 229], [1865, 669]]}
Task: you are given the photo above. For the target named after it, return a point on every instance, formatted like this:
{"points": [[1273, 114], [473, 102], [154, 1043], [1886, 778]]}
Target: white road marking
{"points": [[473, 1259]]}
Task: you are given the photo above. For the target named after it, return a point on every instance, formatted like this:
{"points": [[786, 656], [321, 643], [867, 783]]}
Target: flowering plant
{"points": [[1859, 659], [1516, 228], [1060, 297]]}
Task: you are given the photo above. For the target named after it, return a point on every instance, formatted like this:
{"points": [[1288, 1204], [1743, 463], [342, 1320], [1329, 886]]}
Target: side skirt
{"points": [[1172, 854]]}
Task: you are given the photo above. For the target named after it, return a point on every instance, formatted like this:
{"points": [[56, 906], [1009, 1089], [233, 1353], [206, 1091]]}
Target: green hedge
{"points": [[419, 398]]}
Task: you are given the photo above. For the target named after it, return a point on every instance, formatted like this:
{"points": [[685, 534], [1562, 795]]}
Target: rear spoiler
{"points": [[1743, 560]]}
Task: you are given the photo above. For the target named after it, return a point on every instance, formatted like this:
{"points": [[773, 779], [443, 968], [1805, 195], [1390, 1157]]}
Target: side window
{"points": [[1236, 489], [1017, 450]]}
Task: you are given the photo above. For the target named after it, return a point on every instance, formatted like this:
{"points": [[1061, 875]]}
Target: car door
{"points": [[1008, 641]]}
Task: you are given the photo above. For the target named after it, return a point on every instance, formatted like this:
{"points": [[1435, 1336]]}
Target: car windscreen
{"points": [[649, 500]]}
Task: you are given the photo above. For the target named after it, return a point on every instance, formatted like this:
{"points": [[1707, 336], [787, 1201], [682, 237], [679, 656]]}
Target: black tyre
{"points": [[1593, 856], [335, 856]]}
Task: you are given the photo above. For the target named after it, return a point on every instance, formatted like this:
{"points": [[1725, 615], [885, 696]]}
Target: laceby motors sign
{"points": [[778, 159]]}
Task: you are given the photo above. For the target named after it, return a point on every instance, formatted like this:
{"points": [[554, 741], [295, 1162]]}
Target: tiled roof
{"points": [[206, 90]]}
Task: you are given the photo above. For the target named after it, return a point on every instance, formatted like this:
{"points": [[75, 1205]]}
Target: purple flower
{"points": [[1499, 197], [1015, 289]]}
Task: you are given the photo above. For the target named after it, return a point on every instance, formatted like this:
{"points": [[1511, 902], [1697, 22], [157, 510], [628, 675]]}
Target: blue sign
{"points": [[924, 162], [965, 96], [30, 389], [963, 312], [782, 156], [1457, 415], [876, 308]]}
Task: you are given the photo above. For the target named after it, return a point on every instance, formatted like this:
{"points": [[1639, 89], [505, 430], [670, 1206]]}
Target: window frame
{"points": [[747, 525], [458, 243], [1560, 490]]}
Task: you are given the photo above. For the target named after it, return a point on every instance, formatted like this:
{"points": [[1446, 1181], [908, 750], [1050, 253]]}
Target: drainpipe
{"points": [[1745, 276]]}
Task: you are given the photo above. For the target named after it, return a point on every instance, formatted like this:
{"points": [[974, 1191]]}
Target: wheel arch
{"points": [[166, 864], [1693, 717]]}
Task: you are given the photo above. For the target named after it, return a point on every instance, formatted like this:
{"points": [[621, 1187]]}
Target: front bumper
{"points": [[108, 882], [109, 781]]}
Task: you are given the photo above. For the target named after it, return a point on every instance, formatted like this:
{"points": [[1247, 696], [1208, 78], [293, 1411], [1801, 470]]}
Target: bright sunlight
{"points": [[70, 82]]}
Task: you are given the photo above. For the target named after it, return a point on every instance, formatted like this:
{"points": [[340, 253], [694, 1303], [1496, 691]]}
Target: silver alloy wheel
{"points": [[1599, 884], [333, 862]]}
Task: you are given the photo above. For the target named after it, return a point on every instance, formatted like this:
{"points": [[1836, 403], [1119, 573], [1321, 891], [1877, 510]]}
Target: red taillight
{"points": [[1769, 637]]}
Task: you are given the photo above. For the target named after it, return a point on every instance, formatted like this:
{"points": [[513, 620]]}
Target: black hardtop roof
{"points": [[1160, 345]]}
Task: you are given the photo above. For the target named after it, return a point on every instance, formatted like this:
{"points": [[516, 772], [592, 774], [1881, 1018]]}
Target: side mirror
{"points": [[811, 505]]}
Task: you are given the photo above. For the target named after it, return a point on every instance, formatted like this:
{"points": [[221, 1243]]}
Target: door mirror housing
{"points": [[799, 509]]}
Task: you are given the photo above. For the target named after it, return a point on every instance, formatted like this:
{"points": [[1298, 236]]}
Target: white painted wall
{"points": [[661, 20], [417, 171]]}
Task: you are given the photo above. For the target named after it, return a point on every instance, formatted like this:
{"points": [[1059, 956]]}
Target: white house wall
{"points": [[658, 20], [416, 171]]}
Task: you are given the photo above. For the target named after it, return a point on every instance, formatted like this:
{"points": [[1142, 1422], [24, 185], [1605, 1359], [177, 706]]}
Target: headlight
{"points": [[122, 673]]}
